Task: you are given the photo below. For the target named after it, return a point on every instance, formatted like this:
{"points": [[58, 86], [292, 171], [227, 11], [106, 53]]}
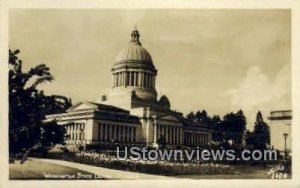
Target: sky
{"points": [[217, 60]]}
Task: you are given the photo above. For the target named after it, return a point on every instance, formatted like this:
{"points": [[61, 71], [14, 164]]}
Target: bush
{"points": [[151, 167]]}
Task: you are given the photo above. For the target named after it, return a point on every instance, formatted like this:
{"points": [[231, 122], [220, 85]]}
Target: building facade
{"points": [[280, 130], [131, 111]]}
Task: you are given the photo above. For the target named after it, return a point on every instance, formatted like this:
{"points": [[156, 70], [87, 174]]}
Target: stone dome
{"points": [[134, 52], [134, 55]]}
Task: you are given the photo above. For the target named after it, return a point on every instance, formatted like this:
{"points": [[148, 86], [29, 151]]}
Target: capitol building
{"points": [[131, 112]]}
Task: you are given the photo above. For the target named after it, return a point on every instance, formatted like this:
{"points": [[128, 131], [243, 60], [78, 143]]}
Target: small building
{"points": [[280, 130], [131, 112]]}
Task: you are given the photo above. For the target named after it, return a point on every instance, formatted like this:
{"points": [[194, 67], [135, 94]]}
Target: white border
{"points": [[5, 6]]}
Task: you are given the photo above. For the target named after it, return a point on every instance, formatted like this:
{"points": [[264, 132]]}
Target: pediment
{"points": [[82, 106], [168, 117]]}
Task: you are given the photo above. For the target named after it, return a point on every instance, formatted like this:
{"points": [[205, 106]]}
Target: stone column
{"points": [[173, 135], [120, 79], [71, 131], [119, 133], [76, 131], [105, 132], [193, 138], [134, 79], [158, 132], [187, 138], [110, 132], [142, 78], [132, 133], [167, 134], [147, 80], [180, 136], [123, 79], [127, 78], [123, 134], [155, 132], [115, 132], [177, 135], [128, 134], [138, 78]]}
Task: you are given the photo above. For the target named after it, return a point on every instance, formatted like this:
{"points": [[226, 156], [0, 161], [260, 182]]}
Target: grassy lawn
{"points": [[37, 170], [241, 172]]}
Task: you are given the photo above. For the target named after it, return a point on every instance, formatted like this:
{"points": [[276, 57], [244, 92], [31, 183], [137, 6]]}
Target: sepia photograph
{"points": [[149, 94]]}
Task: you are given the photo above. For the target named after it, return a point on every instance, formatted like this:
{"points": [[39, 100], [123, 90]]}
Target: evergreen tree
{"points": [[191, 116], [215, 125], [261, 133], [250, 139]]}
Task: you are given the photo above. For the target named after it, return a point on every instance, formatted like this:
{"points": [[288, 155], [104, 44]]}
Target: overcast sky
{"points": [[217, 60]]}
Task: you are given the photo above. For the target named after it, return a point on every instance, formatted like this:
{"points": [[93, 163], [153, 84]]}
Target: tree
{"points": [[52, 133], [191, 116], [250, 139], [233, 127], [202, 118], [261, 133], [28, 105], [215, 125], [162, 142]]}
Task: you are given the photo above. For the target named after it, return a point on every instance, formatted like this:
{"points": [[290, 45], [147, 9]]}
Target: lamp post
{"points": [[285, 135]]}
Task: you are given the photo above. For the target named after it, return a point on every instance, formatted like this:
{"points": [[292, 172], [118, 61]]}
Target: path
{"points": [[103, 172]]}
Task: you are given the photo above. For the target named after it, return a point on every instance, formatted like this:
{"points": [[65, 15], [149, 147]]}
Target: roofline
{"points": [[281, 111]]}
